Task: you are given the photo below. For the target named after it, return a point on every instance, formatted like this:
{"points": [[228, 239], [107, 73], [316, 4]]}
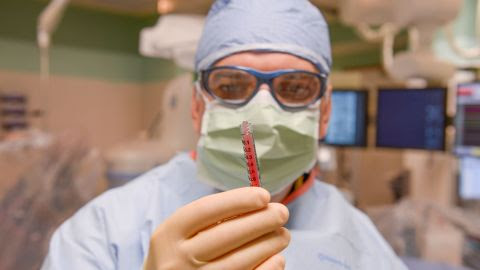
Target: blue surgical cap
{"points": [[289, 26]]}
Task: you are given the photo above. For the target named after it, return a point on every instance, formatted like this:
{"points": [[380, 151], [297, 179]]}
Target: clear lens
{"points": [[231, 85], [297, 89]]}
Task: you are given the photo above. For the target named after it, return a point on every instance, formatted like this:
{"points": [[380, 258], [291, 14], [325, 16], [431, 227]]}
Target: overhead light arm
{"points": [[370, 34], [48, 21], [452, 40], [391, 17], [47, 24]]}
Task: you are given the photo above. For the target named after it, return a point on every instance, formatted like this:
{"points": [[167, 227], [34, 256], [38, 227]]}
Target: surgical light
{"points": [[392, 16]]}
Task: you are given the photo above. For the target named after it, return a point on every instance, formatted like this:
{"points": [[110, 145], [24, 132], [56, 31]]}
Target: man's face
{"points": [[266, 62]]}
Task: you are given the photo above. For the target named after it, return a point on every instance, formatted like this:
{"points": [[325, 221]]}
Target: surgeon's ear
{"points": [[325, 112], [198, 107]]}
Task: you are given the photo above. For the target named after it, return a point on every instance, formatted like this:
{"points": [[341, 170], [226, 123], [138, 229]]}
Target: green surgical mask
{"points": [[286, 143]]}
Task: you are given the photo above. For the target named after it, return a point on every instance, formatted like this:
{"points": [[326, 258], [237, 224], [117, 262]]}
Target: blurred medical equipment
{"points": [[175, 36], [348, 123], [467, 120], [467, 142], [463, 37], [395, 15], [417, 264], [411, 118], [47, 24], [423, 229], [469, 182], [326, 158], [15, 142], [57, 178], [171, 132], [13, 112]]}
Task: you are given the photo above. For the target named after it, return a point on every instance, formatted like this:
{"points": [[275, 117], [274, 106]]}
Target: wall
{"points": [[88, 90], [99, 86], [104, 112]]}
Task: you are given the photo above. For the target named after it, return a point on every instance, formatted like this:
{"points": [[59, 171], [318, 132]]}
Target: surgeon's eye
{"points": [[230, 91], [231, 84], [297, 88]]}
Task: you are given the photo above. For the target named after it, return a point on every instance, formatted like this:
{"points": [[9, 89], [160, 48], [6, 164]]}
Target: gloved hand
{"points": [[236, 229]]}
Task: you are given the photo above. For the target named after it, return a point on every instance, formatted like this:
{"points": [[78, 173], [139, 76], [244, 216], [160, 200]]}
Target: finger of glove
{"points": [[234, 233], [253, 254], [211, 209]]}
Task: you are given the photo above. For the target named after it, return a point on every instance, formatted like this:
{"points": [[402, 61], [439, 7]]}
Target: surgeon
{"points": [[267, 62]]}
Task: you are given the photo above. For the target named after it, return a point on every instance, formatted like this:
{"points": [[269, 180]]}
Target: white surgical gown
{"points": [[113, 231]]}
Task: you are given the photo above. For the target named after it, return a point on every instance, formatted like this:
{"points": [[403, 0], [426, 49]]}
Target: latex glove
{"points": [[236, 229]]}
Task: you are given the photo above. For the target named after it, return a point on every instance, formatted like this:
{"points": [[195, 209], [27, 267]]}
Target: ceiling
{"points": [[149, 7]]}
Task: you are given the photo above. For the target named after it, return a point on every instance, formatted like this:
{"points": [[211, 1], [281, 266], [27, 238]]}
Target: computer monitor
{"points": [[411, 118], [469, 182], [467, 120], [348, 121]]}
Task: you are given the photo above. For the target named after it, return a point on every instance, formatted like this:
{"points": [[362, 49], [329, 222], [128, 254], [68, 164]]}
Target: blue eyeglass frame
{"points": [[263, 78]]}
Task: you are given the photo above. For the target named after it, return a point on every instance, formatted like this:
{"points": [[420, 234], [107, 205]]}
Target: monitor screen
{"points": [[347, 125], [467, 120], [469, 184], [411, 118]]}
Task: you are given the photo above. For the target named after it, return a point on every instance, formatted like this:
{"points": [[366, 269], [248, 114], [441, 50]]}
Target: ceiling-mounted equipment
{"points": [[459, 43], [170, 132], [165, 6], [473, 52], [175, 36], [383, 19], [47, 24]]}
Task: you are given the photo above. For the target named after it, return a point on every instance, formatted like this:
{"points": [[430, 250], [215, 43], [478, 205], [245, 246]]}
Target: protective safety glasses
{"points": [[291, 88]]}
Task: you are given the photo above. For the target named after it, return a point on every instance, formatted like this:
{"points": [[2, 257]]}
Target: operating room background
{"points": [[99, 85], [101, 89]]}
